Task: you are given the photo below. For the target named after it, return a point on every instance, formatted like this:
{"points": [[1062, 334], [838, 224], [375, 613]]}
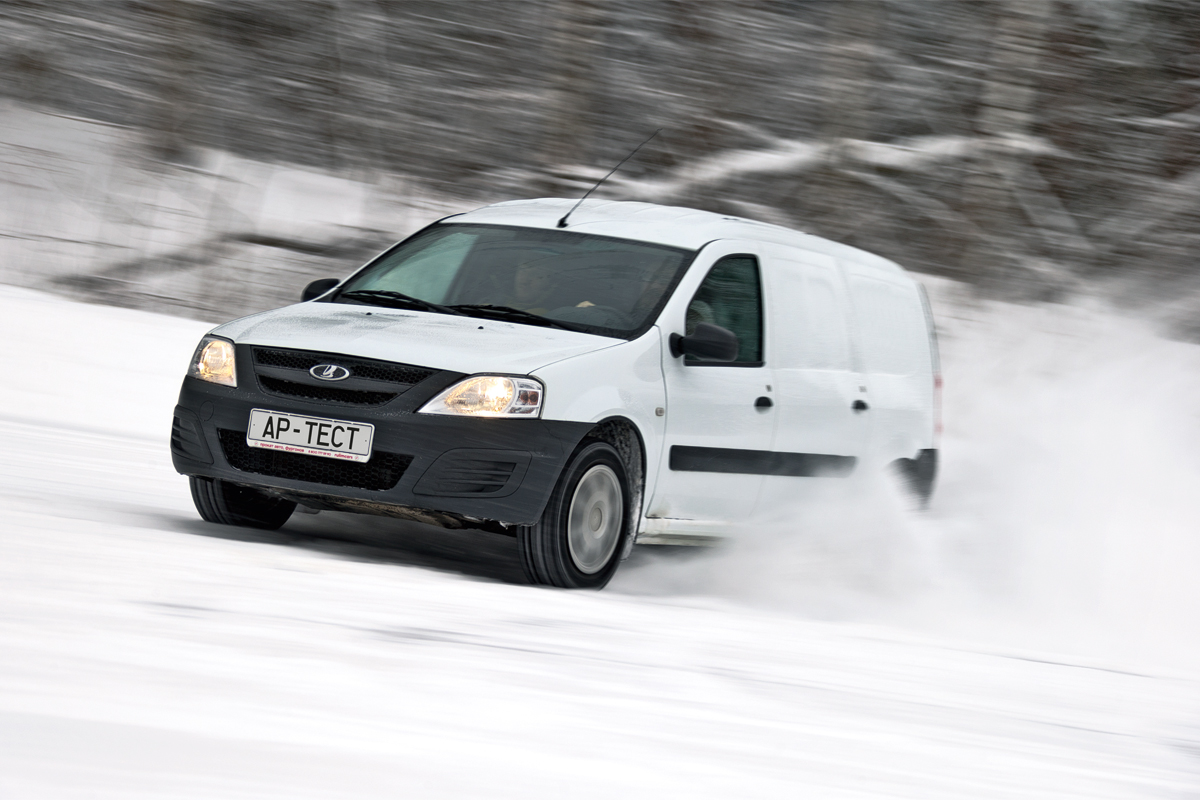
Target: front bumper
{"points": [[455, 471]]}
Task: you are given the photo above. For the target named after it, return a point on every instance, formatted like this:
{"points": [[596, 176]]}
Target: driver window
{"points": [[731, 296]]}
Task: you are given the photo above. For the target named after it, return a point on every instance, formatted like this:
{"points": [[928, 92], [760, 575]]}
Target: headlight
{"points": [[489, 396], [213, 362]]}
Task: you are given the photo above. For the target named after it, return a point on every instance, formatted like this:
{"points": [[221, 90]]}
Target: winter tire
{"points": [[919, 474], [227, 503], [578, 542]]}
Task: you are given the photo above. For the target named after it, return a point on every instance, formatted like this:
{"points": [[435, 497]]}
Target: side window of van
{"points": [[891, 321], [731, 296], [825, 344]]}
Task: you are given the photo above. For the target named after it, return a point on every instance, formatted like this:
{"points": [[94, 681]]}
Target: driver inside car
{"points": [[534, 287]]}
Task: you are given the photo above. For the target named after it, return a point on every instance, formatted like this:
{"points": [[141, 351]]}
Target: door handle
{"points": [[763, 403], [859, 406]]}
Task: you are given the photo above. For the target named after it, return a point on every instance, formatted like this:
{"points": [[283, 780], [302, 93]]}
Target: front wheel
{"points": [[577, 543], [229, 504]]}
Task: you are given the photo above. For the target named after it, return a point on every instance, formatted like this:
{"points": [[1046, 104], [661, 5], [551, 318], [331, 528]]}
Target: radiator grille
{"points": [[359, 368], [325, 394], [383, 471]]}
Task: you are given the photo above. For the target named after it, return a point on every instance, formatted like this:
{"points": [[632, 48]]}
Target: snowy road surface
{"points": [[1034, 635]]}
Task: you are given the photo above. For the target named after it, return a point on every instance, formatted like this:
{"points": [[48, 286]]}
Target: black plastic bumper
{"points": [[500, 470]]}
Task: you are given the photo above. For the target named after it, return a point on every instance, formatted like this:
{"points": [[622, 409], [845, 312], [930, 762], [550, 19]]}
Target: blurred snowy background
{"points": [[207, 157], [1032, 635]]}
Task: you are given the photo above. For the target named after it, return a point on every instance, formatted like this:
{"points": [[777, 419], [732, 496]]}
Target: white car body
{"points": [[842, 329]]}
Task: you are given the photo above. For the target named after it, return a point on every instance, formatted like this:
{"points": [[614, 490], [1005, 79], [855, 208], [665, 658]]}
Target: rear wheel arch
{"points": [[919, 474]]}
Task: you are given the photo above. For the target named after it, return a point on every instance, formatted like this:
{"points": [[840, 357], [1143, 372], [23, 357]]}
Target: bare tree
{"points": [[848, 87], [570, 70], [173, 103], [997, 174]]}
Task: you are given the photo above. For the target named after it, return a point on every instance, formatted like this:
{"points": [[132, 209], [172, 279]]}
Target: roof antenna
{"points": [[562, 223]]}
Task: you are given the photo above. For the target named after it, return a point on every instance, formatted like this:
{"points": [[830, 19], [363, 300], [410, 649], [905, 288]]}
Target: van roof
{"points": [[676, 226]]}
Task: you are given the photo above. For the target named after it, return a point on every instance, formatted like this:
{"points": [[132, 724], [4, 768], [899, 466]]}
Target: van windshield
{"points": [[595, 284]]}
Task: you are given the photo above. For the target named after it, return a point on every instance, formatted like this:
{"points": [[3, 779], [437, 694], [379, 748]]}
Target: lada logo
{"points": [[329, 372]]}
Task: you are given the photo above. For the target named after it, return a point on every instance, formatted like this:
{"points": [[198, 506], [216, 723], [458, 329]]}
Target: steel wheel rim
{"points": [[594, 519]]}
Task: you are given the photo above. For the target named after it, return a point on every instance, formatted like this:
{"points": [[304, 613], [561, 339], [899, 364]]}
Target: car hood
{"points": [[437, 341]]}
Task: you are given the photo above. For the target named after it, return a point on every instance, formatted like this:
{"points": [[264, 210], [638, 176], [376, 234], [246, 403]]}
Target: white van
{"points": [[630, 373]]}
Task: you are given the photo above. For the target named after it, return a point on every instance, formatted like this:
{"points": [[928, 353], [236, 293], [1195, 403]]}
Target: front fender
{"points": [[623, 381]]}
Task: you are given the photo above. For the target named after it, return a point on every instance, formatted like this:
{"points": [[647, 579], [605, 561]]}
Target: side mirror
{"points": [[707, 343], [318, 288]]}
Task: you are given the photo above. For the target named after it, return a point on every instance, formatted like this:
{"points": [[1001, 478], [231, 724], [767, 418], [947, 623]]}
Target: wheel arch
{"points": [[918, 474], [625, 437]]}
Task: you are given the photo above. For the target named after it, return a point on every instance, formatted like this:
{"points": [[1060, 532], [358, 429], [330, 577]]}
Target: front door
{"points": [[718, 415]]}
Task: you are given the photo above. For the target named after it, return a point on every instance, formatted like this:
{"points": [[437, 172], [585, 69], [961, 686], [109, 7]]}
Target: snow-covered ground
{"points": [[1033, 635]]}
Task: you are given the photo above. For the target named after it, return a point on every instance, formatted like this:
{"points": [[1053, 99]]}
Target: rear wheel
{"points": [[229, 504], [577, 543], [918, 475]]}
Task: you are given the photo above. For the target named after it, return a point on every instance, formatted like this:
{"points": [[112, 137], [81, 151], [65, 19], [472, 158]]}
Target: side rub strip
{"points": [[760, 462]]}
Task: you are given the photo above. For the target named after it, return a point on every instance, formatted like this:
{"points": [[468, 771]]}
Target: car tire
{"points": [[579, 540], [919, 475], [227, 503]]}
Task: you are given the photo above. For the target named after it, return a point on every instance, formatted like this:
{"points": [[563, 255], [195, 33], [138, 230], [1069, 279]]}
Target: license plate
{"points": [[312, 436]]}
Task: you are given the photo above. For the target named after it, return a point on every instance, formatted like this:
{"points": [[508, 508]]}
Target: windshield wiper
{"points": [[390, 299], [508, 313]]}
